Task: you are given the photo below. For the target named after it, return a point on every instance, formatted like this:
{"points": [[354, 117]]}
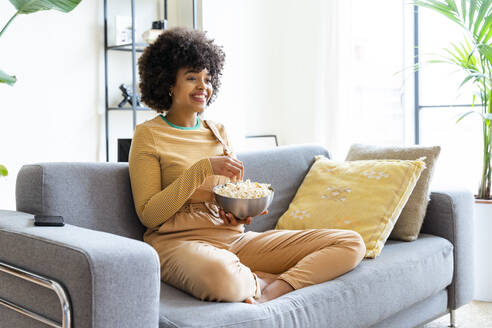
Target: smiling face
{"points": [[192, 90]]}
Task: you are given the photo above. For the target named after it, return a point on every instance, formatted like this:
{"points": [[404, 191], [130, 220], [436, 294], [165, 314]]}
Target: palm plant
{"points": [[473, 55], [29, 7]]}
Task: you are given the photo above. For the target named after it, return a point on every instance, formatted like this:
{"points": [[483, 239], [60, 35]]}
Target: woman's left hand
{"points": [[230, 219]]}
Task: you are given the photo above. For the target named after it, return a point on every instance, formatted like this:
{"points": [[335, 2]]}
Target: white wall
{"points": [[271, 83], [51, 113], [276, 81], [311, 72], [55, 112]]}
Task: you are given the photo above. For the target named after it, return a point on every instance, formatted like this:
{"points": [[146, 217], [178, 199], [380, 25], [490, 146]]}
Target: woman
{"points": [[176, 159]]}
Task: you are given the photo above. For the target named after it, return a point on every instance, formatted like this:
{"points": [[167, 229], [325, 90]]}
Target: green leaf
{"points": [[463, 9], [469, 77], [437, 61], [486, 51], [482, 11], [441, 8], [471, 13], [462, 54], [486, 27], [470, 51], [487, 118], [32, 6], [489, 106], [452, 5], [3, 171], [463, 115], [488, 36], [8, 79], [453, 59]]}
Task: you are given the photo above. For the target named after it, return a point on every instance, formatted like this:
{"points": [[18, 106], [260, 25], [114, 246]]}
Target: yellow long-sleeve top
{"points": [[169, 166]]}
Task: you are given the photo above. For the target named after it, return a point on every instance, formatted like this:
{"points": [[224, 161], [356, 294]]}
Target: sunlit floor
{"points": [[472, 315]]}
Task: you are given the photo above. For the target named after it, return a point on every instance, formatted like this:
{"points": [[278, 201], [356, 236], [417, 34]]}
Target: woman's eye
{"points": [[191, 78]]}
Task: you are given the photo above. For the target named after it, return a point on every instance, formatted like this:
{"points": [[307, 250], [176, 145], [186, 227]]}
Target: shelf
{"points": [[132, 48], [139, 47], [128, 108]]}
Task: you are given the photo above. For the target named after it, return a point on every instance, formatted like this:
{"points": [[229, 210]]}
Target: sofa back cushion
{"points": [[98, 195], [91, 195], [284, 168]]}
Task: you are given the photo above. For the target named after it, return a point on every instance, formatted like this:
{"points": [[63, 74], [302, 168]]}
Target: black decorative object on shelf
{"points": [[159, 25], [128, 96], [133, 48]]}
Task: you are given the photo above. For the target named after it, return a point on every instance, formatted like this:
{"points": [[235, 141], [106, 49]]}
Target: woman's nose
{"points": [[201, 85]]}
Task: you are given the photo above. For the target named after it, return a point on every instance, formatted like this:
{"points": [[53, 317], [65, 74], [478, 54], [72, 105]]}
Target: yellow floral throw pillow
{"points": [[365, 196]]}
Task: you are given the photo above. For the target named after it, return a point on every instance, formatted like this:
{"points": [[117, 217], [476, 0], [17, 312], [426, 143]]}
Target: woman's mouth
{"points": [[199, 98]]}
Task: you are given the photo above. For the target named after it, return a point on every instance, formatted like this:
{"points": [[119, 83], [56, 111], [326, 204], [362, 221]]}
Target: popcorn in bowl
{"points": [[244, 190]]}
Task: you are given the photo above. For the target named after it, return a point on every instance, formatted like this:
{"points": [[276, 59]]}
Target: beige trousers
{"points": [[219, 264]]}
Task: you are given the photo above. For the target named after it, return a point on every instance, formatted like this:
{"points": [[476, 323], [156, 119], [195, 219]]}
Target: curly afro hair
{"points": [[174, 49]]}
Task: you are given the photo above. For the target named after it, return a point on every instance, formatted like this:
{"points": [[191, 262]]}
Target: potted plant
{"points": [[28, 7], [473, 55]]}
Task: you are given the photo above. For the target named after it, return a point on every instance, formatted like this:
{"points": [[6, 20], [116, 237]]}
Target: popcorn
{"points": [[244, 190]]}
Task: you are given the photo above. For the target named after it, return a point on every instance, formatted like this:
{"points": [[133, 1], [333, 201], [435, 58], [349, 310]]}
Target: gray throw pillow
{"points": [[407, 227]]}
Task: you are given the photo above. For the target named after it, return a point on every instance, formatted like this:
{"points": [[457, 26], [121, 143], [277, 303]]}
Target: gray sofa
{"points": [[111, 277]]}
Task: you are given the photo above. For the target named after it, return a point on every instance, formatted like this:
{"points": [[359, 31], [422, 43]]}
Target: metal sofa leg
{"points": [[452, 319]]}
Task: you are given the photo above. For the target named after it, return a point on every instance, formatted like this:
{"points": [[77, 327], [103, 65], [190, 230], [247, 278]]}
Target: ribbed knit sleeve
{"points": [[153, 205]]}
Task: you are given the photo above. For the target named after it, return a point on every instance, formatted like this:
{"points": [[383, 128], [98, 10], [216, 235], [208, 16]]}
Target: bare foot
{"points": [[271, 288], [274, 290], [250, 300], [265, 279]]}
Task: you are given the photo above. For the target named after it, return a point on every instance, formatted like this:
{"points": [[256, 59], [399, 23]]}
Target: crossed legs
{"points": [[263, 267], [299, 258]]}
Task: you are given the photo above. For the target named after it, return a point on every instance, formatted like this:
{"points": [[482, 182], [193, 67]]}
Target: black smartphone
{"points": [[48, 220]]}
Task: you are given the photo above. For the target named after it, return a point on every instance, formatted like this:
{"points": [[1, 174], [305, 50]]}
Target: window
{"points": [[377, 54], [440, 103]]}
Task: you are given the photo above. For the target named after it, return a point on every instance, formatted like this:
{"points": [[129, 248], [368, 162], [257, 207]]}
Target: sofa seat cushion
{"points": [[405, 273]]}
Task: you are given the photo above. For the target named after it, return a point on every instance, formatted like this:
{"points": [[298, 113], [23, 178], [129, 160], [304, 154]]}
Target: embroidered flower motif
{"points": [[375, 175], [343, 222], [338, 194], [301, 215], [325, 169], [352, 224]]}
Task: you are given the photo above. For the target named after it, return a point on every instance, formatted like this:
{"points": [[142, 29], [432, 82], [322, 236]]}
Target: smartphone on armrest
{"points": [[48, 220]]}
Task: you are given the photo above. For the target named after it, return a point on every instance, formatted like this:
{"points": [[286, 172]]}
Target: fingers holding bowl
{"points": [[229, 218], [223, 216], [232, 219]]}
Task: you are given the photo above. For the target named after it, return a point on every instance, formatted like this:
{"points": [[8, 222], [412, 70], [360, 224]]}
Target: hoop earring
{"points": [[170, 94]]}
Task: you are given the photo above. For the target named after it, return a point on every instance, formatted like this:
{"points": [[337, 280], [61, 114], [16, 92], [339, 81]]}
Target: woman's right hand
{"points": [[227, 166]]}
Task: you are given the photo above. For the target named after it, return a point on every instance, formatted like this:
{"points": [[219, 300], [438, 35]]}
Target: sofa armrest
{"points": [[450, 215], [112, 281]]}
